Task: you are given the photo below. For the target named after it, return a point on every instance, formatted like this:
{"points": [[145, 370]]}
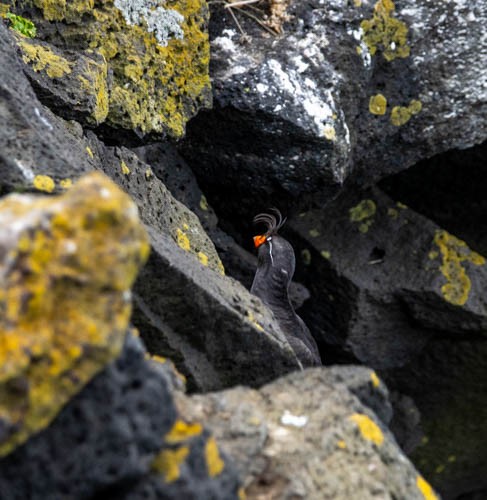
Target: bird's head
{"points": [[274, 252]]}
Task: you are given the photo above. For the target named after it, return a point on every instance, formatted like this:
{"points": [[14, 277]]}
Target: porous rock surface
{"points": [[389, 278], [306, 436], [84, 414], [184, 274], [67, 267], [405, 79], [351, 90], [133, 73]]}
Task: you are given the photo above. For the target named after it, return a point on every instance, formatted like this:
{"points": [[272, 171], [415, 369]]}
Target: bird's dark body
{"points": [[271, 282]]}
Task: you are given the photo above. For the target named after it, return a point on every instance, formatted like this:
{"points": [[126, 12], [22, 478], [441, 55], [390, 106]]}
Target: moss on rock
{"points": [[65, 276]]}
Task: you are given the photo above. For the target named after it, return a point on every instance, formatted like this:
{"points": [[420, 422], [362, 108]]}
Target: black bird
{"points": [[275, 270]]}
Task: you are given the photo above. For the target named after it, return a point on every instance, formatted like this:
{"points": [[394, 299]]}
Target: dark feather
{"points": [[272, 222]]}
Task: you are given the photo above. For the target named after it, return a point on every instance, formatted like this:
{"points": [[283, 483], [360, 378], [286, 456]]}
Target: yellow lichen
{"points": [[203, 203], [401, 115], [148, 173], [378, 104], [385, 32], [64, 311], [41, 58], [368, 428], [306, 256], [392, 213], [44, 183], [325, 254], [203, 258], [124, 168], [168, 463], [53, 10], [155, 88], [254, 321], [454, 252], [158, 359], [182, 240], [181, 431], [65, 183], [89, 151], [426, 489], [314, 233], [94, 82], [341, 444], [329, 132], [375, 379], [363, 213], [213, 460], [241, 494], [220, 267]]}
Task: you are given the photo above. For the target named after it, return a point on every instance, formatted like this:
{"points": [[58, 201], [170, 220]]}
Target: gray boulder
{"points": [[306, 436], [350, 91]]}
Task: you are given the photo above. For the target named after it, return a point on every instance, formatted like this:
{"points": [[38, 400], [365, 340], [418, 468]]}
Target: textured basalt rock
{"points": [[384, 279], [75, 86], [121, 437], [306, 436], [107, 435], [159, 210], [160, 68], [83, 414], [448, 383], [208, 324], [68, 265], [177, 292], [350, 91], [35, 144]]}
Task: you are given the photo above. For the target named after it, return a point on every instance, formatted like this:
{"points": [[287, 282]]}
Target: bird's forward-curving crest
{"points": [[273, 222]]}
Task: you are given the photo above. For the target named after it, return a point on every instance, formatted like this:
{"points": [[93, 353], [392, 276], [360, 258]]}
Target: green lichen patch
{"points": [[68, 264], [385, 33], [21, 25], [378, 104], [454, 252], [363, 213], [401, 115]]}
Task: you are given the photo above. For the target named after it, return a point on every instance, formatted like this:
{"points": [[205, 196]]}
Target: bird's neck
{"points": [[273, 291]]}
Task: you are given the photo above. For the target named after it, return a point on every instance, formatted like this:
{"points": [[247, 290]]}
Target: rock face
{"points": [[57, 333], [414, 307], [307, 436], [351, 91], [156, 59], [80, 416], [182, 287], [214, 330], [348, 93], [367, 266]]}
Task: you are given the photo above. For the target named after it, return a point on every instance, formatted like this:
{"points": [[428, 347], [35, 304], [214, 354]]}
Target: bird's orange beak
{"points": [[259, 240]]}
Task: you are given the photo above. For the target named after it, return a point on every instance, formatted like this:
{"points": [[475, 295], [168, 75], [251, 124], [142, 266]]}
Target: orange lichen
{"points": [[64, 308]]}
